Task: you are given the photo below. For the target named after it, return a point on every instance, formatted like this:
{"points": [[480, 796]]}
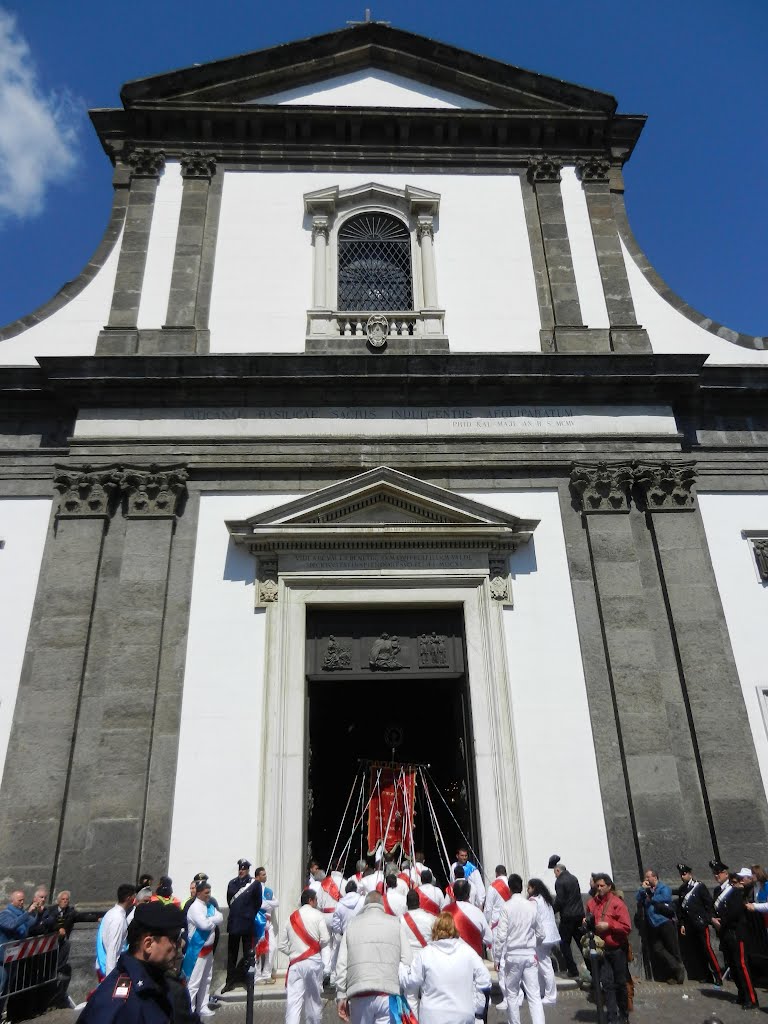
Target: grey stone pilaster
{"points": [[36, 780], [536, 243], [197, 170], [120, 334], [611, 760], [626, 336], [649, 754], [733, 790], [103, 820], [544, 175]]}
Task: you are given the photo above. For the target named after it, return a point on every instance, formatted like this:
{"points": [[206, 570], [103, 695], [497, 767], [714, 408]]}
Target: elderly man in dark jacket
{"points": [[568, 904]]}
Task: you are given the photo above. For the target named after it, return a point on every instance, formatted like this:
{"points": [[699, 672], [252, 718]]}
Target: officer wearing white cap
{"points": [[139, 989]]}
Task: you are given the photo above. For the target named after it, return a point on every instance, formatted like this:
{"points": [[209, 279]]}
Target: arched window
{"points": [[374, 259]]}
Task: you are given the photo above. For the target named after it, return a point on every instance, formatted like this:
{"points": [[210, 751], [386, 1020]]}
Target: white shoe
{"points": [[502, 1005], [205, 1012]]}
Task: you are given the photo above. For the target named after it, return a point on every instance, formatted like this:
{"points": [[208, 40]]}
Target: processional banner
{"points": [[390, 812]]}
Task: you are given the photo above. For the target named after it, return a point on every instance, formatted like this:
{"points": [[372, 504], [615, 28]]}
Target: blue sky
{"points": [[695, 186]]}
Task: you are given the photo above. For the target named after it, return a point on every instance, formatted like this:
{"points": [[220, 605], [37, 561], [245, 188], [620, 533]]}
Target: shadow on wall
{"points": [[523, 561], [239, 565]]}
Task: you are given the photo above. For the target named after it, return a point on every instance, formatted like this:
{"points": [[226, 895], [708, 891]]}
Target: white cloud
{"points": [[38, 131]]}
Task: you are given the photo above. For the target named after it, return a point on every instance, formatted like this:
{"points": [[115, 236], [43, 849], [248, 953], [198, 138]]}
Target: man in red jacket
{"points": [[612, 925]]}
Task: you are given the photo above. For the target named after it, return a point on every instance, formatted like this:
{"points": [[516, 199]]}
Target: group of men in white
{"points": [[380, 935]]}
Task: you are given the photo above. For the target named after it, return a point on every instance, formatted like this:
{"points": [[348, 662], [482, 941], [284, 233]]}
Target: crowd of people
{"points": [[398, 947]]}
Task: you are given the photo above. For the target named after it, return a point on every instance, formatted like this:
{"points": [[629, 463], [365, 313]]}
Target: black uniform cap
{"points": [[160, 918], [554, 860], [684, 869], [717, 866], [243, 864]]}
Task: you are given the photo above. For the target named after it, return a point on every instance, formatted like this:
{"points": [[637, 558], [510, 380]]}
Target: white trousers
{"points": [[522, 972], [200, 982], [547, 983], [265, 971], [369, 1010], [305, 991]]}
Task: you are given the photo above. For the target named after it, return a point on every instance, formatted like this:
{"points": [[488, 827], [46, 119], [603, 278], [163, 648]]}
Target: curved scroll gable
{"points": [[659, 285], [73, 288]]}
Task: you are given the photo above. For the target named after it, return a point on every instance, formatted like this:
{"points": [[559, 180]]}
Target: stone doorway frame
{"points": [[284, 769]]}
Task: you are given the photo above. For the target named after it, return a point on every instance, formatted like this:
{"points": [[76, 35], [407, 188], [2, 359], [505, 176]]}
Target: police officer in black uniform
{"points": [[140, 990], [695, 907], [244, 894], [730, 920]]}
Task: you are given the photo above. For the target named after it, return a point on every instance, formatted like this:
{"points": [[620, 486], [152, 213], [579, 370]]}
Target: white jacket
{"points": [[477, 917], [423, 922], [114, 929], [197, 919], [545, 922], [517, 933], [493, 904], [351, 904], [476, 885], [397, 902], [451, 978], [316, 928], [435, 894]]}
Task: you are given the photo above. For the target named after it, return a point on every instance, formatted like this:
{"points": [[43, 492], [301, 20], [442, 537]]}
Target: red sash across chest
{"points": [[414, 928], [467, 929], [502, 889], [329, 886], [313, 946], [427, 904]]}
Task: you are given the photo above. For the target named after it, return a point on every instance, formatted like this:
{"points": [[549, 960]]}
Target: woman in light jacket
{"points": [[545, 917], [452, 978]]}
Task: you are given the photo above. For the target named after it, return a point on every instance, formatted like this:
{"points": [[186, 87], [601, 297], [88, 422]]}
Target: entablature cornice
{"points": [[252, 132]]}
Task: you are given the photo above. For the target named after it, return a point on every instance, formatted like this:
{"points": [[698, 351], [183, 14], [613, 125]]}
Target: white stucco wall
{"points": [[262, 282], [221, 712], [670, 331], [221, 716], [370, 88], [744, 596], [585, 266], [559, 787], [161, 248], [23, 529], [71, 330]]}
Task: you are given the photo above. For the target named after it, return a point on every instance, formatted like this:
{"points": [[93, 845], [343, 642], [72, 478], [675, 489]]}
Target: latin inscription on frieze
{"points": [[373, 561]]}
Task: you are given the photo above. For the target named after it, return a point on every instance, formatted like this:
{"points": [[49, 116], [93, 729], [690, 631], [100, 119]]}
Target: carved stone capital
{"points": [[602, 487], [320, 226], [198, 165], [425, 225], [266, 580], [499, 581], [760, 548], [86, 493], [154, 493], [593, 168], [544, 170], [145, 163], [666, 487]]}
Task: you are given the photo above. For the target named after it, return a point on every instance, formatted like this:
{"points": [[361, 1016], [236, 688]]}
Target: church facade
{"points": [[369, 433]]}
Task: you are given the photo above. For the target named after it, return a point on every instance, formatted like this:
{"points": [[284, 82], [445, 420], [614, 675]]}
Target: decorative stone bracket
{"points": [[266, 581], [544, 170], [609, 487], [198, 165], [594, 168], [86, 492], [499, 578], [145, 163], [760, 548]]}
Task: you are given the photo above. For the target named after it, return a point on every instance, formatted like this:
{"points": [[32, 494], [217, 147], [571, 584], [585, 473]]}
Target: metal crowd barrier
{"points": [[28, 965]]}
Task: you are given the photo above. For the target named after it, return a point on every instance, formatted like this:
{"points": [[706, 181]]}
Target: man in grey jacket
{"points": [[368, 968]]}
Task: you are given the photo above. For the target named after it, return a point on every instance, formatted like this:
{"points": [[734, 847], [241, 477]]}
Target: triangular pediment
{"points": [[385, 506], [400, 69]]}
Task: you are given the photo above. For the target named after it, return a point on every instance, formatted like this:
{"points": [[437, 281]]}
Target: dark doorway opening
{"points": [[353, 712]]}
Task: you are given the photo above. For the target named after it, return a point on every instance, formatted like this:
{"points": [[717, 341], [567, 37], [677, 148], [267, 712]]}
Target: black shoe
{"points": [[227, 988]]}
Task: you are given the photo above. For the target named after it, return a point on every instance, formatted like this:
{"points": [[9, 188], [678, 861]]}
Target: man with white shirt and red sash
{"points": [[306, 943], [416, 925], [431, 898], [471, 925], [497, 894]]}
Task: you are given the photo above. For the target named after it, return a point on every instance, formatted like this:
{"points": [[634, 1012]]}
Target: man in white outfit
{"points": [[110, 937], [431, 897], [269, 904], [305, 942], [515, 941], [472, 875], [350, 904], [496, 895], [416, 925], [394, 900], [202, 920], [472, 926]]}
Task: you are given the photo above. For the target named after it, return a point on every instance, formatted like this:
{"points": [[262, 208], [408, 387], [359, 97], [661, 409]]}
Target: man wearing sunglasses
{"points": [[139, 989]]}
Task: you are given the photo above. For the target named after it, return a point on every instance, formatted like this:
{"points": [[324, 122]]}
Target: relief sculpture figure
{"points": [[384, 652]]}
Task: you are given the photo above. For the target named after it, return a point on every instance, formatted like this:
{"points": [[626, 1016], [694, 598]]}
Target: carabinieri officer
{"points": [[140, 990]]}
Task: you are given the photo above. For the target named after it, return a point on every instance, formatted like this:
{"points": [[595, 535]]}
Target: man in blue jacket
{"points": [[14, 924], [654, 901], [140, 989]]}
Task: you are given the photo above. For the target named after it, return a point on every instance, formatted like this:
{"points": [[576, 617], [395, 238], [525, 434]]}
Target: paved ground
{"points": [[654, 1004]]}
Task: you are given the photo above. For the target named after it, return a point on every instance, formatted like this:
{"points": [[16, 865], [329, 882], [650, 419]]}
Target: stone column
{"points": [[197, 169], [120, 335], [36, 780], [730, 775], [626, 335], [647, 751], [320, 224], [103, 820], [544, 175], [425, 230]]}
